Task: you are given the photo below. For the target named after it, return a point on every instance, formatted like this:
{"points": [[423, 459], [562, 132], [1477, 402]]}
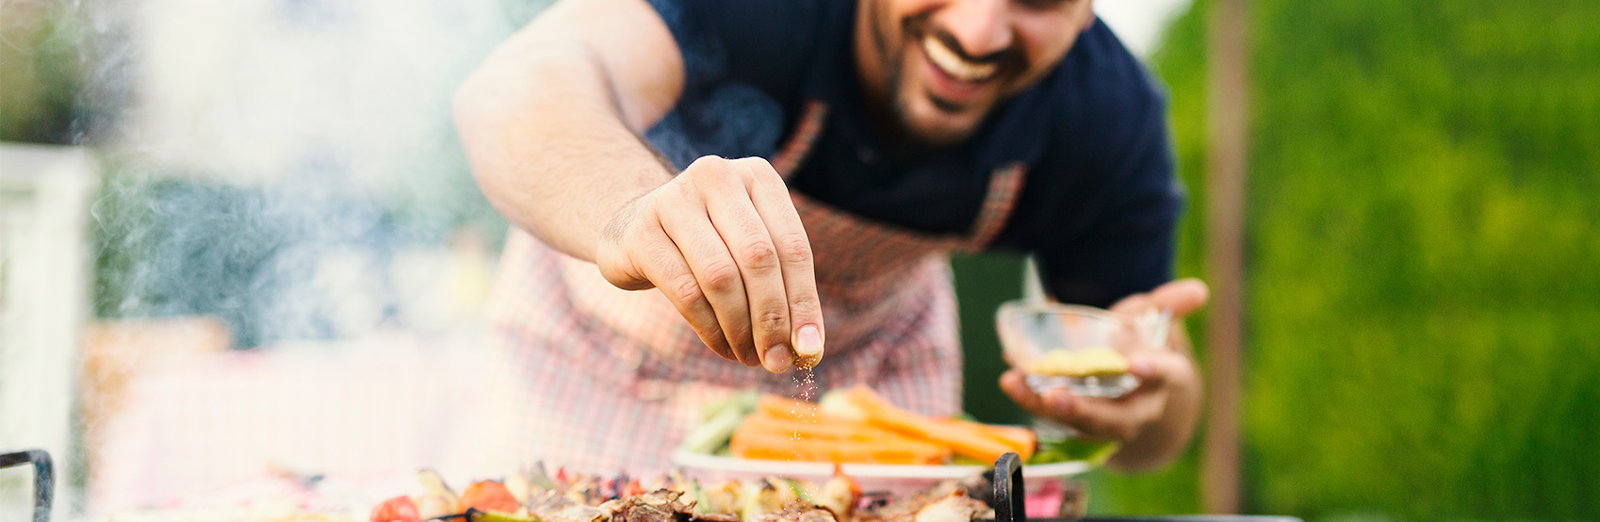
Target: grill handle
{"points": [[43, 478], [1009, 495]]}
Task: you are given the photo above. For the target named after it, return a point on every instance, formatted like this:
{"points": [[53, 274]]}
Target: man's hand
{"points": [[722, 240], [1154, 421]]}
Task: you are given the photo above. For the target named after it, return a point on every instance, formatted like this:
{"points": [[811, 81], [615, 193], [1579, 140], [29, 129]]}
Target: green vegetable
{"points": [[1063, 450], [702, 502], [718, 420], [800, 491]]}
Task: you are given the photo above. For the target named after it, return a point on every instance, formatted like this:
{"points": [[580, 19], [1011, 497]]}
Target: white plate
{"points": [[893, 477]]}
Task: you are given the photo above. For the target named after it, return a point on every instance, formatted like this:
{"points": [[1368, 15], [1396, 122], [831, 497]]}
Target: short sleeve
{"points": [[762, 43]]}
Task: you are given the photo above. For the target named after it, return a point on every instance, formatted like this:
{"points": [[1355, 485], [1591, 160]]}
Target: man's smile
{"points": [[951, 63]]}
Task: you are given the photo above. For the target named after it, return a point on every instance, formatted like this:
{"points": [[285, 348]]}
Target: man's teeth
{"points": [[953, 65]]}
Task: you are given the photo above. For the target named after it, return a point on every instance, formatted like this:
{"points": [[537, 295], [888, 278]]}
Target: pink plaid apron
{"points": [[608, 380]]}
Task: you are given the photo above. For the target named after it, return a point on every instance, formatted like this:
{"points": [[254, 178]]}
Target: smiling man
{"points": [[793, 174]]}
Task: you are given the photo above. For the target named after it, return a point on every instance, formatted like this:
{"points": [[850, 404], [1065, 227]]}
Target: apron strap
{"points": [[793, 152], [1005, 183]]}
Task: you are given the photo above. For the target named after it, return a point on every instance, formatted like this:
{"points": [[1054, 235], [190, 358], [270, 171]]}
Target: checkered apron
{"points": [[606, 380]]}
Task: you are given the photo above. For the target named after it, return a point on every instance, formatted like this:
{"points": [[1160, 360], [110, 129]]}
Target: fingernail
{"points": [[809, 341], [778, 359]]}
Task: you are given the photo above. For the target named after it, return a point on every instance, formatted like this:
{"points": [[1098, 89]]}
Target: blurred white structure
{"points": [[1141, 24], [43, 301]]}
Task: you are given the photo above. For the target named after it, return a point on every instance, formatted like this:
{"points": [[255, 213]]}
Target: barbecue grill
{"points": [[1007, 497], [44, 478]]}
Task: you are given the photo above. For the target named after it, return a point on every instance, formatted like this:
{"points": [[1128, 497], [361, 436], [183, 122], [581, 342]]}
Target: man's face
{"points": [[940, 66]]}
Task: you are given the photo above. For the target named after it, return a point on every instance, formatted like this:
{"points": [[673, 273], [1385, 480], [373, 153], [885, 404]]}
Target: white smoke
{"points": [[285, 166]]}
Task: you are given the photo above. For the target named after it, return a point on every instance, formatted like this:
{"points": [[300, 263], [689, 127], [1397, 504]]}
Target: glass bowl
{"points": [[1076, 347]]}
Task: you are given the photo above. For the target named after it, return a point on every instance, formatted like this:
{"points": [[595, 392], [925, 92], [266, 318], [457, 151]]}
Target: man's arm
{"points": [[552, 140], [550, 123]]}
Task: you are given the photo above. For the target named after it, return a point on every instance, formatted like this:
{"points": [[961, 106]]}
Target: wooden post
{"points": [[1228, 101]]}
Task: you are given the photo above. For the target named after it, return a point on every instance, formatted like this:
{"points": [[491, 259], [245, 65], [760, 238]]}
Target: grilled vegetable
{"points": [[437, 499], [397, 509], [488, 495], [474, 515]]}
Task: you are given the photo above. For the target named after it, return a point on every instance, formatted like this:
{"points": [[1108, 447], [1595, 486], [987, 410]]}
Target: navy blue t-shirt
{"points": [[1099, 204]]}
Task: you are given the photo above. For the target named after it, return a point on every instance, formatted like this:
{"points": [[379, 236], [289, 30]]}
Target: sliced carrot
{"points": [[769, 446], [786, 408], [963, 440], [803, 432], [1019, 439]]}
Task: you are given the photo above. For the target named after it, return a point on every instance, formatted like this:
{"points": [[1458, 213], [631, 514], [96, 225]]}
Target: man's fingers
{"points": [[663, 263], [1108, 419], [1133, 305], [1015, 384], [1183, 296], [714, 269], [1155, 367], [733, 213], [772, 201]]}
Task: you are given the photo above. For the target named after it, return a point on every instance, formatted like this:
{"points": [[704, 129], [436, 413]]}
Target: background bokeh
{"points": [[1423, 302], [1422, 298]]}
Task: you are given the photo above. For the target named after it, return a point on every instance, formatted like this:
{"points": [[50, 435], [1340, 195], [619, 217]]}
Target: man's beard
{"points": [[1011, 62]]}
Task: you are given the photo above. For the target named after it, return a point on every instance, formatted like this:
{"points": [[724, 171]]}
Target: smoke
{"points": [[284, 168], [268, 161]]}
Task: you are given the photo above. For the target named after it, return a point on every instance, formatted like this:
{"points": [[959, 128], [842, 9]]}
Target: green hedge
{"points": [[1423, 258]]}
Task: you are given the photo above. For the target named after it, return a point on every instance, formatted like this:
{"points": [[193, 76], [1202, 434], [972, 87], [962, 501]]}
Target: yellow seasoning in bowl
{"points": [[1079, 363]]}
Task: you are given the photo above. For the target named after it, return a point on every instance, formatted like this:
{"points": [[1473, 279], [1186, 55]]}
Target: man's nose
{"points": [[982, 27]]}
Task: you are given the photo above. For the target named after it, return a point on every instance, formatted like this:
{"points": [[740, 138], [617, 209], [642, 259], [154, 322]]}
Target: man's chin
{"points": [[937, 127]]}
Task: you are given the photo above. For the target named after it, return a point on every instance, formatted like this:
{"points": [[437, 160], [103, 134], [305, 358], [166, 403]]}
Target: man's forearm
{"points": [[547, 143]]}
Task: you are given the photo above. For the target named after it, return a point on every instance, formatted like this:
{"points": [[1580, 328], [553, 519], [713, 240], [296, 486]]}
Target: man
{"points": [[787, 173]]}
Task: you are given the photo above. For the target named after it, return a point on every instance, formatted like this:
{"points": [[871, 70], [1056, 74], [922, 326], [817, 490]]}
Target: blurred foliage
{"points": [[1423, 324], [41, 72]]}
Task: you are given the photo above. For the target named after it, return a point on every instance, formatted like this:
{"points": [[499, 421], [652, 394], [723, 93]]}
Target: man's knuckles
{"points": [[773, 324], [721, 277], [794, 248], [759, 255], [687, 290]]}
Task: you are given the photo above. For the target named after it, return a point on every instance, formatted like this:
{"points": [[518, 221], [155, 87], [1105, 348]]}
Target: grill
{"points": [[1007, 496], [44, 478]]}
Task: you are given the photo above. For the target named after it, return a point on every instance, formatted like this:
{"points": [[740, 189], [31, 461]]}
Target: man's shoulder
{"points": [[765, 42], [1101, 78]]}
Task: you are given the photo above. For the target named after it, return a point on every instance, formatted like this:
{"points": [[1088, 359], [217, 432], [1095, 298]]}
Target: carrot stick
{"points": [[769, 446], [786, 408], [1019, 439], [802, 432], [963, 440]]}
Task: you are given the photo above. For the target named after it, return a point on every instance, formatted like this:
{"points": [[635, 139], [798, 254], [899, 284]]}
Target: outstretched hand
{"points": [[1162, 407], [723, 241]]}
